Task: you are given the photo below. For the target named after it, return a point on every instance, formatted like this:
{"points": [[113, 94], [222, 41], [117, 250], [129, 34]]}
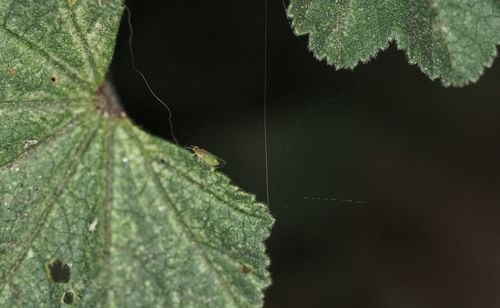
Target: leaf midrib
{"points": [[222, 280]]}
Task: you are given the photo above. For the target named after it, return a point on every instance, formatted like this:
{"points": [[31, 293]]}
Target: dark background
{"points": [[424, 157]]}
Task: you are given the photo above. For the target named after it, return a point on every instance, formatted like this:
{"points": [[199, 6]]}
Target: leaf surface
{"points": [[453, 40], [138, 221]]}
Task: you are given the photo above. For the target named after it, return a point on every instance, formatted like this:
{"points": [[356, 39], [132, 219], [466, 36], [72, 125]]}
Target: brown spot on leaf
{"points": [[10, 71], [245, 269], [53, 78]]}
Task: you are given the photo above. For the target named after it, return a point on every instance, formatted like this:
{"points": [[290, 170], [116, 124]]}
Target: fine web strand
{"points": [[132, 59], [336, 200], [325, 103], [266, 150]]}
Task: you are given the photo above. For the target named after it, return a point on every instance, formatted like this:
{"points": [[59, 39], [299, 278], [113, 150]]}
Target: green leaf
{"points": [[93, 211], [453, 40]]}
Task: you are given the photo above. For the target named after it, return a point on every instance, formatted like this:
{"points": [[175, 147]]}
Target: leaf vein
{"points": [[83, 41], [218, 197], [56, 62], [49, 206], [46, 141]]}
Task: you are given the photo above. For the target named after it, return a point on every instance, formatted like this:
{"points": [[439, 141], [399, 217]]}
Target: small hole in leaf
{"points": [[53, 78], [68, 297], [58, 271]]}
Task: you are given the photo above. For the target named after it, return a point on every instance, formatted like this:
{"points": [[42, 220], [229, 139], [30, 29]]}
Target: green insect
{"points": [[207, 158]]}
